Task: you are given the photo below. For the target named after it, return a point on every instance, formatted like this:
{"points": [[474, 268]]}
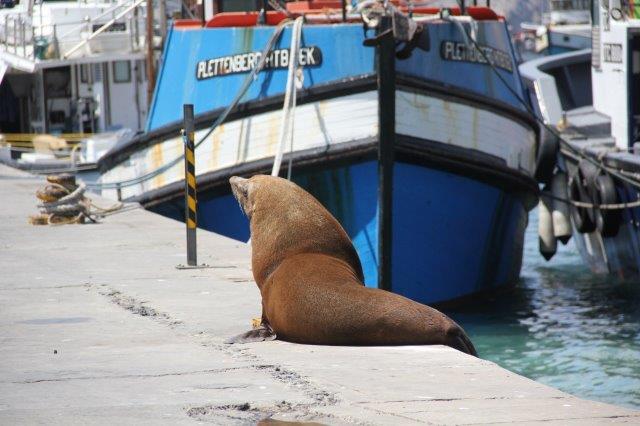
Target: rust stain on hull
{"points": [[157, 160], [216, 142]]}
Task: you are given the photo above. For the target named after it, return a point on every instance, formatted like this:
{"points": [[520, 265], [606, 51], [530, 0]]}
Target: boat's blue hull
{"points": [[452, 236], [464, 152]]}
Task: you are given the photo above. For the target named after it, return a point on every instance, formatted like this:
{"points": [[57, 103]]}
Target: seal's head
{"points": [[287, 220], [240, 188]]}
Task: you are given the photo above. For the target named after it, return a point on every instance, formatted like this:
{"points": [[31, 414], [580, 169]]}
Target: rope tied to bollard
{"points": [[64, 202]]}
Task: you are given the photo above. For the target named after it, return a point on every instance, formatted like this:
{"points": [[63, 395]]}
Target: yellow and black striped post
{"points": [[190, 206]]}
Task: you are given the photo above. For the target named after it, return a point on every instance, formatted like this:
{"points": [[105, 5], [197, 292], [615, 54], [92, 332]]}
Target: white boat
{"points": [[591, 98], [71, 67]]}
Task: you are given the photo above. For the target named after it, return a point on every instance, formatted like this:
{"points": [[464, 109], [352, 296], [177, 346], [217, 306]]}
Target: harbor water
{"points": [[563, 326]]}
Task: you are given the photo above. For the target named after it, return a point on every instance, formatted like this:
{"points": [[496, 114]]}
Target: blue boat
{"points": [[433, 182]]}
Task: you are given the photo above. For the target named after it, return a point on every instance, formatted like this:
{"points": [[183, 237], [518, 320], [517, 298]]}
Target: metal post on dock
{"points": [[190, 190], [385, 52], [190, 202]]}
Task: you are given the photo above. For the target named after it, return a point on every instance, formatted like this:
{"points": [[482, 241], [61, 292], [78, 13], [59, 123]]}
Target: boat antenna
{"points": [[262, 16], [463, 9]]}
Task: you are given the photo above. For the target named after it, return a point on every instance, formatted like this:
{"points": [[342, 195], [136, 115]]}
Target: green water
{"points": [[563, 327]]}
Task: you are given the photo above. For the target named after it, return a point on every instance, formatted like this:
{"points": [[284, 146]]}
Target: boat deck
{"points": [[99, 327], [589, 131]]}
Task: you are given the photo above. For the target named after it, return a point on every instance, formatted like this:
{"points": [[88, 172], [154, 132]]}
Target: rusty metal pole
{"points": [[151, 74]]}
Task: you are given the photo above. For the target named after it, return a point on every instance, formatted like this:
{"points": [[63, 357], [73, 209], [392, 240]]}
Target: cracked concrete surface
{"points": [[98, 326]]}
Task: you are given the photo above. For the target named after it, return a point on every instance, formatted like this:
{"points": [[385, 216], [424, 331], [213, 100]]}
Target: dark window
{"points": [[115, 27], [57, 82], [239, 5]]}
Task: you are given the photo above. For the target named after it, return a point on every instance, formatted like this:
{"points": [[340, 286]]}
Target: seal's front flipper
{"points": [[260, 334]]}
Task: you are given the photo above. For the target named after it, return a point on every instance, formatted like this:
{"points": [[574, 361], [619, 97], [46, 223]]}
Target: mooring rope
{"points": [[573, 150], [289, 107], [582, 204], [64, 202]]}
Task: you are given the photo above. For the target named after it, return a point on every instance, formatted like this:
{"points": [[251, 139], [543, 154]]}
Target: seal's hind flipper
{"points": [[459, 340], [260, 334]]}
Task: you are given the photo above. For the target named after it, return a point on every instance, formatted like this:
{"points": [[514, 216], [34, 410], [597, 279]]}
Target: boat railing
{"points": [[17, 32], [119, 28], [110, 11], [107, 27]]}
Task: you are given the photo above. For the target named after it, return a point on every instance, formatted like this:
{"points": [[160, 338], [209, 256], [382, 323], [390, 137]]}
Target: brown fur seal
{"points": [[311, 281]]}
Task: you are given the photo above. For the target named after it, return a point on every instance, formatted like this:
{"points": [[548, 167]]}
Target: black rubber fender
{"points": [[547, 156], [589, 171], [581, 218], [588, 174], [603, 191]]}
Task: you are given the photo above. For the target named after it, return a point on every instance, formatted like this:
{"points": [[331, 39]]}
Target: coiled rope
{"points": [[63, 202]]}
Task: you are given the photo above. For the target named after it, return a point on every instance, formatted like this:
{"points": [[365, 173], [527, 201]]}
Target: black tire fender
{"points": [[547, 156], [603, 191], [580, 215], [588, 174]]}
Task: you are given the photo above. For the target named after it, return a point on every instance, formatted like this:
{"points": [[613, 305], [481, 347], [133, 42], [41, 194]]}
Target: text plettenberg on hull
{"points": [[245, 62]]}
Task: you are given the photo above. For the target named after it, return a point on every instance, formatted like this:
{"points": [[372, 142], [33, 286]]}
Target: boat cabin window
{"points": [[238, 5], [121, 72], [570, 4]]}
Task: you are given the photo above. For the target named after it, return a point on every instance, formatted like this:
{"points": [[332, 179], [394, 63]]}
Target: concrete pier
{"points": [[97, 326]]}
